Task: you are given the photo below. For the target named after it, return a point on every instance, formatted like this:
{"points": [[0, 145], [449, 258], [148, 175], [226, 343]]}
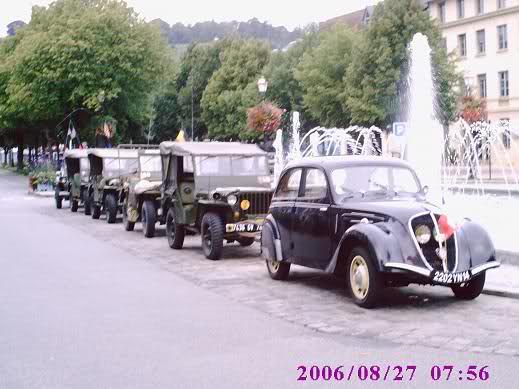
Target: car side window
{"points": [[288, 187], [316, 187]]}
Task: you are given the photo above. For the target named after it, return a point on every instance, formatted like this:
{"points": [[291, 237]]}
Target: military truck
{"points": [[218, 189], [72, 180], [108, 167], [141, 192]]}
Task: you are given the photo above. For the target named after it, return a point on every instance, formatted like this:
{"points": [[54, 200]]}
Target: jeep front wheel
{"points": [[149, 217], [59, 199], [110, 208], [74, 205], [212, 236], [88, 204], [174, 231]]}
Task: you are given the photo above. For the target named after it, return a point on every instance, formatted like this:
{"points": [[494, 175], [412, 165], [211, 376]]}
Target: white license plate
{"points": [[441, 277], [243, 227]]}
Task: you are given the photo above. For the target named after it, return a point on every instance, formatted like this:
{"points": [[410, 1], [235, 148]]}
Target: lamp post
{"points": [[263, 84]]}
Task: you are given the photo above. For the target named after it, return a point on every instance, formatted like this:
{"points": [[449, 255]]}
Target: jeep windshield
{"points": [[151, 166], [117, 166], [232, 166], [373, 180]]}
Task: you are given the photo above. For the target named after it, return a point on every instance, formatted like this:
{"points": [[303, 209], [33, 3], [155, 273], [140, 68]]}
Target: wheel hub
{"points": [[359, 277]]}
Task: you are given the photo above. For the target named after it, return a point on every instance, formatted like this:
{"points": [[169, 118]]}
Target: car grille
{"points": [[429, 249], [260, 202]]}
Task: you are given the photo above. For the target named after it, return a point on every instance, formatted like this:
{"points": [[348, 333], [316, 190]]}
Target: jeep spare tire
{"points": [[212, 236]]}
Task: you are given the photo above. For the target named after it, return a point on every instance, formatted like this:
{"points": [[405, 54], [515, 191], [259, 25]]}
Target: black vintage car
{"points": [[367, 219]]}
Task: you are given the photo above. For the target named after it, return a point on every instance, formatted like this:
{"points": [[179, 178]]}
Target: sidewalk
{"points": [[503, 281]]}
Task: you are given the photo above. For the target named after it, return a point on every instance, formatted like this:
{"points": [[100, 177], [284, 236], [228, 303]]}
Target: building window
{"points": [[461, 8], [462, 45], [505, 125], [501, 4], [482, 83], [480, 39], [502, 37], [441, 11], [504, 91], [480, 7]]}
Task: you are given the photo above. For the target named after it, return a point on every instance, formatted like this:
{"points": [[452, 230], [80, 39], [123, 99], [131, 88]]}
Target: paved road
{"points": [[84, 304]]}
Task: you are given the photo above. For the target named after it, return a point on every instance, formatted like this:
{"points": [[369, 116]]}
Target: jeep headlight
{"points": [[232, 200], [423, 234]]}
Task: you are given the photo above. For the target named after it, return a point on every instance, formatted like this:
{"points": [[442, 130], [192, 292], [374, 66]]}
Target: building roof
{"points": [[210, 148]]}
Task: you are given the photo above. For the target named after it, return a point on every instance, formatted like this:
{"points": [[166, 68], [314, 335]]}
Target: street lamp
{"points": [[262, 85]]}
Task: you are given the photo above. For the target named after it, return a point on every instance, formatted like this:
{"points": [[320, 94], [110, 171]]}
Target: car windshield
{"points": [[116, 166], [372, 180], [231, 166]]}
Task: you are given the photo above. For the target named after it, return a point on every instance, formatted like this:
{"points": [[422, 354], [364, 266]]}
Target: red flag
{"points": [[445, 227]]}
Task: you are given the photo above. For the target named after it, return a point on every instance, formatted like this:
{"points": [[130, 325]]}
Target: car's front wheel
{"points": [[278, 270], [149, 217], [363, 279], [471, 289], [212, 236], [59, 199], [174, 231], [74, 205]]}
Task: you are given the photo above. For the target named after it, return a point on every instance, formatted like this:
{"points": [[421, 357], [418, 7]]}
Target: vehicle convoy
{"points": [[367, 219], [72, 180], [108, 167], [141, 192], [220, 190]]}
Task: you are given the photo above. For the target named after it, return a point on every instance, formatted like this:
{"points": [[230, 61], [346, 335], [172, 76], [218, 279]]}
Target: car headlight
{"points": [[232, 200], [423, 234]]}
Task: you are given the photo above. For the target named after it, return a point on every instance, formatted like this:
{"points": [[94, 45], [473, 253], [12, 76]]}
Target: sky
{"points": [[288, 13]]}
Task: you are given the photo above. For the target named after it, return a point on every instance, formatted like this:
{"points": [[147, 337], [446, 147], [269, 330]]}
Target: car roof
{"points": [[113, 153], [334, 162], [75, 153], [210, 148]]}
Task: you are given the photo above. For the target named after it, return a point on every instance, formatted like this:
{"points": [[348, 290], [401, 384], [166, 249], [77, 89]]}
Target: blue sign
{"points": [[399, 128]]}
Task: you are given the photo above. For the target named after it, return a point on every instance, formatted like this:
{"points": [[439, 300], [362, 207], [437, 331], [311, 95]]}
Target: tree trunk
{"points": [[6, 153], [20, 144]]}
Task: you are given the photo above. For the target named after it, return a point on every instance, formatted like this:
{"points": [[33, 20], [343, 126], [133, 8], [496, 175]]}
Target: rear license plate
{"points": [[441, 277]]}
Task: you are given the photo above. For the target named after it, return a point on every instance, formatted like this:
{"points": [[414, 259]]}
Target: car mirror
{"points": [[425, 190]]}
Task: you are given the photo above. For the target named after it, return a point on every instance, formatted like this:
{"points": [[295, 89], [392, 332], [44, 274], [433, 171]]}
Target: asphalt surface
{"points": [[84, 304]]}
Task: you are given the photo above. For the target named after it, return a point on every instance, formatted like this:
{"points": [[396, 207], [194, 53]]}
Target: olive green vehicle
{"points": [[141, 192], [72, 180], [108, 169], [220, 190]]}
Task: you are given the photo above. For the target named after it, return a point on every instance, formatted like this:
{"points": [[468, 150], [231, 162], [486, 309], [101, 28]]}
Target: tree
{"points": [[473, 109], [264, 118], [93, 54], [321, 74], [232, 89], [166, 123], [376, 77]]}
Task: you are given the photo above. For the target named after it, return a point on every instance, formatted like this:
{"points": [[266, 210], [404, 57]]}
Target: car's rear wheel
{"points": [[212, 236], [278, 270], [74, 205], [471, 289], [174, 231], [363, 279], [128, 225], [88, 204], [245, 242], [149, 217], [111, 208]]}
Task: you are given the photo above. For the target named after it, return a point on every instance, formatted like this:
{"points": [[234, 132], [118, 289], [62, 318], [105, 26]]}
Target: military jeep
{"points": [[220, 190], [141, 192], [72, 180], [108, 167]]}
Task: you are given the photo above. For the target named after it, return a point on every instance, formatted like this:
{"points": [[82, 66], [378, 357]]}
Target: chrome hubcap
{"points": [[359, 277], [274, 265]]}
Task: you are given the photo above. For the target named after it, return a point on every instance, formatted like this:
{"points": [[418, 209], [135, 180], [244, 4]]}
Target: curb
{"points": [[499, 292], [41, 194], [507, 257]]}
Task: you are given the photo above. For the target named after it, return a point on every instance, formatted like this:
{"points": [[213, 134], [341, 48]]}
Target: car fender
{"points": [[475, 246], [270, 242], [383, 241]]}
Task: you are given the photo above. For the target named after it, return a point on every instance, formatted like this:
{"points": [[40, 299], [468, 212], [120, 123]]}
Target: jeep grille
{"points": [[259, 202]]}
